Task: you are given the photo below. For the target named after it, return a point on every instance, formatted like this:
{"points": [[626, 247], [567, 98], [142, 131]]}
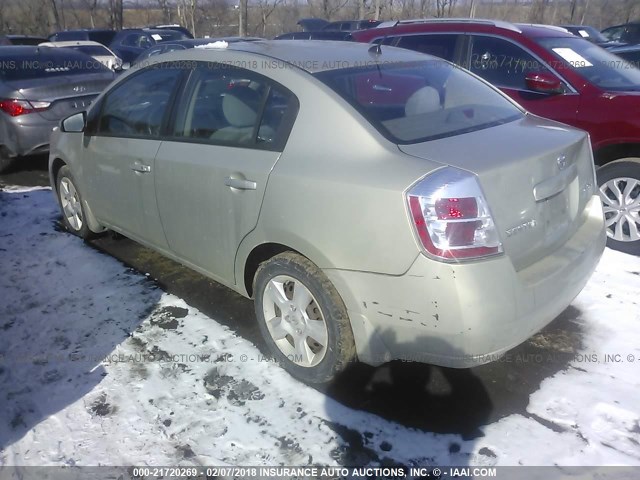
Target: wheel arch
{"points": [[54, 169], [56, 165], [613, 152], [261, 253]]}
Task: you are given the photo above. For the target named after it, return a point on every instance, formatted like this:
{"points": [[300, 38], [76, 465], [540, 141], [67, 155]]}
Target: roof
{"points": [[321, 55], [529, 30], [192, 42]]}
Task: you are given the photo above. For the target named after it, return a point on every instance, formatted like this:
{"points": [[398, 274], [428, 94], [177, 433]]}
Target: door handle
{"points": [[240, 184], [139, 167]]}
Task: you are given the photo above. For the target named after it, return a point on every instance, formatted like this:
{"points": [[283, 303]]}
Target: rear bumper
{"points": [[466, 314], [28, 136]]}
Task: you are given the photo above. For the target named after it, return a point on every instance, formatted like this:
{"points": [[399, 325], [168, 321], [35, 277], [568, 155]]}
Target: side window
{"points": [[502, 63], [131, 40], [234, 107], [145, 42], [443, 46], [137, 107], [632, 34]]}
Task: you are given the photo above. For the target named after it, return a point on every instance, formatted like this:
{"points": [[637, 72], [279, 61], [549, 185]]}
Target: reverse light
{"points": [[15, 107], [451, 216]]}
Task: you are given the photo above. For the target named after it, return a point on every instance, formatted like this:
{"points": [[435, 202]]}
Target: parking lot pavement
{"points": [[150, 361]]}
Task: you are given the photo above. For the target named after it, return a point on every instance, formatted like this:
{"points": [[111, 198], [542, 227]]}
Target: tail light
{"points": [[451, 216], [15, 107]]}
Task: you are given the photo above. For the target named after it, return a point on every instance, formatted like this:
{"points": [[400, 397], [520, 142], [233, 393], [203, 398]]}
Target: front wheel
{"points": [[73, 216], [302, 318], [619, 184]]}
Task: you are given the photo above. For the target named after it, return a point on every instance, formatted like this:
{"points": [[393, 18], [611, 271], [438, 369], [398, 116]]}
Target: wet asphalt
{"points": [[415, 395]]}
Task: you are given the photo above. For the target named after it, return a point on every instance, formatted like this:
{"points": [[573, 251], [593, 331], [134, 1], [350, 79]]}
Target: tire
{"points": [[73, 215], [5, 161], [310, 335], [619, 186]]}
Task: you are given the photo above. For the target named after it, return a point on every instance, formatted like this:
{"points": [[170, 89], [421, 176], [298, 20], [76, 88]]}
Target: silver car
{"points": [[39, 86], [376, 203]]}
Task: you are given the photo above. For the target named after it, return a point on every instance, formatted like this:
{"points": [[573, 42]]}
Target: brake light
{"points": [[451, 216], [15, 107]]}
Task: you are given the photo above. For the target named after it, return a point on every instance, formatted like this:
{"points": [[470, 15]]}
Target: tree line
{"points": [[267, 18]]}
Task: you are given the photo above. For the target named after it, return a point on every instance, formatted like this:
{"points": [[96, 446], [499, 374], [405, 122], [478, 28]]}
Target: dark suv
{"points": [[130, 43], [626, 33], [556, 75]]}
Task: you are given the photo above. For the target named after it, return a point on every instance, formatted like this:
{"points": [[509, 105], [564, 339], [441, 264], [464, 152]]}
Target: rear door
{"points": [[230, 128], [505, 65], [119, 155]]}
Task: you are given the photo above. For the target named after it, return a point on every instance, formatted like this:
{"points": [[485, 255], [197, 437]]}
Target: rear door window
{"points": [[439, 45], [235, 107]]}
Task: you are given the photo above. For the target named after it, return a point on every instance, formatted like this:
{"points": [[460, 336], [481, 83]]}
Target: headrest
{"points": [[423, 100], [240, 106]]}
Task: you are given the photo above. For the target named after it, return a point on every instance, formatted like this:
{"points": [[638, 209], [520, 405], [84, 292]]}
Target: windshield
{"points": [[47, 62], [594, 63], [420, 101], [589, 33]]}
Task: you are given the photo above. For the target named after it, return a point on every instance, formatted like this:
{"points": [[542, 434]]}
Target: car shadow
{"points": [[65, 309], [461, 401], [32, 170], [434, 399], [508, 382]]}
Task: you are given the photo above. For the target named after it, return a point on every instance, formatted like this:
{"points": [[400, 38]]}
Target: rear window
{"points": [[166, 35], [47, 62], [420, 101], [93, 50]]}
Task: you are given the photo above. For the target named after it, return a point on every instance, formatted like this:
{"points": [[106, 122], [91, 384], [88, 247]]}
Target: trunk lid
{"points": [[537, 177], [67, 94]]}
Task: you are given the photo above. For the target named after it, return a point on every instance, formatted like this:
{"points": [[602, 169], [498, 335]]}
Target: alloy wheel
{"points": [[295, 321], [621, 202], [70, 201]]}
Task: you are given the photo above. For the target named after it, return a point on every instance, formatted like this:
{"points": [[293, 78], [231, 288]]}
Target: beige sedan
{"points": [[376, 203]]}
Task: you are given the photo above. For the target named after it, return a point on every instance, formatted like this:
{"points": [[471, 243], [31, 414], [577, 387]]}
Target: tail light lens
{"points": [[15, 107], [451, 216]]}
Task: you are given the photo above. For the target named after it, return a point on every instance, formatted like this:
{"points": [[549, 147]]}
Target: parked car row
{"points": [[545, 69]]}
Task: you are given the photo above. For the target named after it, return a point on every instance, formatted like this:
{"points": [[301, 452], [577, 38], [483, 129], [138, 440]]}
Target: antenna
{"points": [[376, 47]]}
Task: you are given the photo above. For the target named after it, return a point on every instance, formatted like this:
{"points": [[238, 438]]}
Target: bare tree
{"points": [[165, 7], [243, 13], [56, 15], [187, 14], [266, 9], [116, 14]]}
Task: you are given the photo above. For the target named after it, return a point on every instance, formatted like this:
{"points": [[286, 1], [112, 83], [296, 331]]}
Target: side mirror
{"points": [[75, 123], [543, 82]]}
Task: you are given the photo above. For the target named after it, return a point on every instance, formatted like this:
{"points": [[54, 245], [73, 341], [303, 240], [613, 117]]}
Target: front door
{"points": [[505, 65], [119, 156]]}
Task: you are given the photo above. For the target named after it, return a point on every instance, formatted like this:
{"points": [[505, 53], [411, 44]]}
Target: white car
{"points": [[94, 49]]}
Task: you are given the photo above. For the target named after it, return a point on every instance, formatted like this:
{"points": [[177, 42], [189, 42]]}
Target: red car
{"points": [[557, 75]]}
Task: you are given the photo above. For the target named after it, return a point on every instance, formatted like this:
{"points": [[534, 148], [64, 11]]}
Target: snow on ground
{"points": [[99, 366]]}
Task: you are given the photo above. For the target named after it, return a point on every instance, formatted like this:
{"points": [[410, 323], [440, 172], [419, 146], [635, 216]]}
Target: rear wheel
{"points": [[73, 216], [619, 185], [302, 318]]}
